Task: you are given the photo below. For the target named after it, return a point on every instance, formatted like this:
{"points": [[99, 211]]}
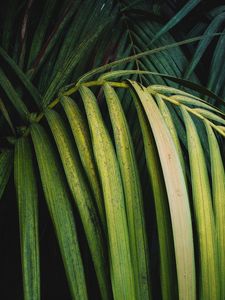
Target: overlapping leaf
{"points": [[132, 193], [57, 198], [27, 196], [83, 200], [120, 254], [5, 169]]}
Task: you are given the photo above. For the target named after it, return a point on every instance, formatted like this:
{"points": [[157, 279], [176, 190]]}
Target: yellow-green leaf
{"points": [[83, 200], [132, 192], [120, 255], [170, 124], [218, 193], [164, 228], [203, 212], [83, 141], [177, 194]]}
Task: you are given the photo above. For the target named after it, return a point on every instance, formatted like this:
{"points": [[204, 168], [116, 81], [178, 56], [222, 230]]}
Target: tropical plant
{"points": [[112, 149]]}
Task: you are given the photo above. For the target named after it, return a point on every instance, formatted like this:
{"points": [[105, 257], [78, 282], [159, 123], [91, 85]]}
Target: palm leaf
{"points": [[41, 31], [83, 141], [57, 198], [5, 169], [213, 27], [90, 152], [6, 116], [177, 18], [177, 195], [119, 249], [167, 259], [24, 79], [13, 96], [132, 193], [137, 56], [83, 200], [205, 223], [170, 124], [218, 195], [27, 196]]}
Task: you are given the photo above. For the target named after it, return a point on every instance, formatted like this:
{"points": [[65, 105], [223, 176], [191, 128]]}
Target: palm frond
{"points": [[131, 170]]}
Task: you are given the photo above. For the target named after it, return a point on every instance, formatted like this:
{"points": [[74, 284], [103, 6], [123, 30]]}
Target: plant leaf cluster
{"points": [[109, 119]]}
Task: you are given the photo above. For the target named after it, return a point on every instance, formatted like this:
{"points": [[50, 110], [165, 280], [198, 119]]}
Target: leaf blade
{"points": [[13, 96], [27, 196], [83, 200], [176, 189], [218, 193], [56, 195], [120, 257], [164, 228], [132, 193], [5, 169], [208, 280], [83, 141]]}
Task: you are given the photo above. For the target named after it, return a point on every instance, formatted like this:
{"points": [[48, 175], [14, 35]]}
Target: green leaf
{"points": [[105, 67], [177, 194], [218, 193], [83, 200], [82, 138], [203, 44], [216, 80], [195, 87], [27, 196], [10, 12], [71, 62], [83, 24], [203, 213], [53, 39], [57, 198], [120, 73], [5, 169], [186, 83], [169, 90], [209, 115], [194, 102], [23, 77], [186, 9], [171, 60], [13, 96], [40, 31], [132, 193], [6, 115], [108, 167]]}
